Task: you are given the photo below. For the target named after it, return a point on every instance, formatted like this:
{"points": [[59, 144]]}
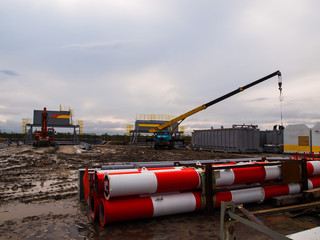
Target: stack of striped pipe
{"points": [[256, 176], [128, 194]]}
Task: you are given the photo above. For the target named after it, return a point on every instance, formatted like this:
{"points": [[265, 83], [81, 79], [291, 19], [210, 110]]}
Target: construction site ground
{"points": [[39, 197]]}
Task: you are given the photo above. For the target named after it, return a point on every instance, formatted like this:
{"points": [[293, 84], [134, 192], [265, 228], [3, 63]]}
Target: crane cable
{"points": [[280, 98]]}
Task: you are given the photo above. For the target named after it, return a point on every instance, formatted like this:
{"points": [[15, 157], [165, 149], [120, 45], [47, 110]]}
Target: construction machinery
{"points": [[163, 133], [45, 137]]}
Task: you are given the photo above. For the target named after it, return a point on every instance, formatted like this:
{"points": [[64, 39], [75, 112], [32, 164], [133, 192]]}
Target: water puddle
{"points": [[17, 210]]}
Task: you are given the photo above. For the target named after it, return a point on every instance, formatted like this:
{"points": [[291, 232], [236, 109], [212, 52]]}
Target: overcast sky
{"points": [[110, 60]]}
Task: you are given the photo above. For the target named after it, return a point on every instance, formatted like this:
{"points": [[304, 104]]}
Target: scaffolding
{"points": [[129, 128], [182, 129], [80, 123], [67, 108], [162, 117], [25, 121]]}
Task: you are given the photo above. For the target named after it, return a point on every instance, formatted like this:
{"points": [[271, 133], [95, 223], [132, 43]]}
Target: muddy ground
{"points": [[39, 187]]}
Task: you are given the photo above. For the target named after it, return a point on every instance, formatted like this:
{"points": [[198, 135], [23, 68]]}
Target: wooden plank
{"points": [[286, 209], [312, 194], [287, 199]]}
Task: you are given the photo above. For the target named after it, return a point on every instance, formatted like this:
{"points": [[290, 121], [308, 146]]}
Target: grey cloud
{"points": [[258, 99], [91, 57], [102, 127], [11, 126], [10, 73], [105, 44]]}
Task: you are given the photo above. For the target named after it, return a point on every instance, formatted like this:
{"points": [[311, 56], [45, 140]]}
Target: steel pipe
{"points": [[136, 207], [260, 194], [313, 168], [149, 182], [94, 207], [225, 177]]}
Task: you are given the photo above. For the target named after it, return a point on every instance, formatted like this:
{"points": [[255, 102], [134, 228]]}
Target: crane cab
{"points": [[163, 140]]}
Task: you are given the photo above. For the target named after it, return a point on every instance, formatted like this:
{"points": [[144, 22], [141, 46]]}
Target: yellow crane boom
{"points": [[180, 118]]}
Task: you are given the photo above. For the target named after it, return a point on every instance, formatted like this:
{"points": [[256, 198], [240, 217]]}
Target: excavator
{"points": [[45, 137], [163, 133]]}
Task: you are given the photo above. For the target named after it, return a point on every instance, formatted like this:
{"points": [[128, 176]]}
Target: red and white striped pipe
{"points": [[180, 182], [173, 179], [129, 182], [149, 182], [94, 204], [136, 207], [168, 180], [313, 168], [258, 194], [136, 170], [99, 176], [313, 182], [235, 176]]}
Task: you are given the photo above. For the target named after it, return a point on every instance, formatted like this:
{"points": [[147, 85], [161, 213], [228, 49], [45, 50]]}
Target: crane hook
{"points": [[280, 86], [281, 99], [280, 81]]}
